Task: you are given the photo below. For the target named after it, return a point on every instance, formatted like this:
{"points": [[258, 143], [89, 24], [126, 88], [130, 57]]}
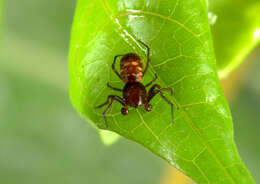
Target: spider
{"points": [[134, 92]]}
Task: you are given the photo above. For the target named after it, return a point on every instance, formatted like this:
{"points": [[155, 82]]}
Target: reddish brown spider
{"points": [[134, 92]]}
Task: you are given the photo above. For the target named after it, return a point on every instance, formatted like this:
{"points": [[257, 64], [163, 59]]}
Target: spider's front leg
{"points": [[155, 89], [110, 100]]}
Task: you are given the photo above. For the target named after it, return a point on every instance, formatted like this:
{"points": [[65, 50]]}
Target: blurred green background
{"points": [[42, 138]]}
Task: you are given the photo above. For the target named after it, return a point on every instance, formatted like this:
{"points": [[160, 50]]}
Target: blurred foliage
{"points": [[245, 110], [235, 33], [42, 139]]}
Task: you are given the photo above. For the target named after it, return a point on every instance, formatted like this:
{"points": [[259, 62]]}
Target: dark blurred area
{"points": [[43, 139]]}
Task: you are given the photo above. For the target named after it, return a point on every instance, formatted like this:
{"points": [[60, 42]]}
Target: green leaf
{"points": [[236, 32], [200, 142]]}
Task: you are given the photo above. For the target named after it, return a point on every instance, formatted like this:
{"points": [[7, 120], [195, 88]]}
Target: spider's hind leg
{"points": [[110, 100], [155, 89]]}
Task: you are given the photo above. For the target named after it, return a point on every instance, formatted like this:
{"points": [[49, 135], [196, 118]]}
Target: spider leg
{"points": [[116, 89], [153, 91], [113, 66], [110, 100], [151, 82], [148, 56]]}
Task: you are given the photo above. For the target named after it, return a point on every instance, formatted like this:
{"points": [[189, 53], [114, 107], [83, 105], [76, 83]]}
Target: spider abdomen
{"points": [[131, 68]]}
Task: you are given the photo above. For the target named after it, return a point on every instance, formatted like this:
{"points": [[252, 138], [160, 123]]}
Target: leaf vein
{"points": [[137, 12]]}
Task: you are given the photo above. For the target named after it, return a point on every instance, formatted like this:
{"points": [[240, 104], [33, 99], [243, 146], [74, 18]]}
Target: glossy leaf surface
{"points": [[235, 33], [200, 142]]}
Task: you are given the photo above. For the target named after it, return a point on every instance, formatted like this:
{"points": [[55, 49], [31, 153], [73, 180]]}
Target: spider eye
{"points": [[148, 107], [124, 110]]}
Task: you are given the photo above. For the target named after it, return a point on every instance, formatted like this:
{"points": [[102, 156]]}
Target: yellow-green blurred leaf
{"points": [[235, 33], [108, 137]]}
